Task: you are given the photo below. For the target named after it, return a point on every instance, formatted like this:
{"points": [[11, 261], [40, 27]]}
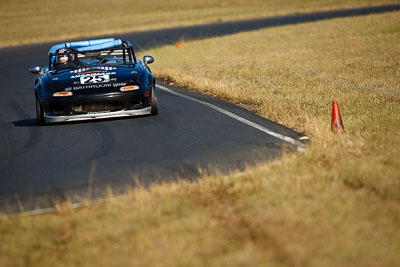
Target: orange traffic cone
{"points": [[337, 123]]}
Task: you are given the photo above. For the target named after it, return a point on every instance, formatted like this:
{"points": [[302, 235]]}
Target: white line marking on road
{"points": [[300, 146]]}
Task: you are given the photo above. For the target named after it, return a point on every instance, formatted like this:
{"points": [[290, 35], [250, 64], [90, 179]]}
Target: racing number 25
{"points": [[95, 79]]}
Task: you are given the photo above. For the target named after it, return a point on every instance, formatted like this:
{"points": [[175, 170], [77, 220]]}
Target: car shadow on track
{"points": [[25, 123]]}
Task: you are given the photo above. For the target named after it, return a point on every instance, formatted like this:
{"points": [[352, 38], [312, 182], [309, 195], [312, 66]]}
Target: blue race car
{"points": [[93, 79]]}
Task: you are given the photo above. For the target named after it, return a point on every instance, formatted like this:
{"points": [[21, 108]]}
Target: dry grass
{"points": [[293, 73], [26, 21], [336, 204]]}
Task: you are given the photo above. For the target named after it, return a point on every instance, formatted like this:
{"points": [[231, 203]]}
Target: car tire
{"points": [[153, 102], [39, 113]]}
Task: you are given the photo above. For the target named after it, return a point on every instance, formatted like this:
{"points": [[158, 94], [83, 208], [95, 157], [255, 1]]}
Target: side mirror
{"points": [[34, 69], [148, 59]]}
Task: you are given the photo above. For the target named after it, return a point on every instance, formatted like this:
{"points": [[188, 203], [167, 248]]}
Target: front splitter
{"points": [[95, 116]]}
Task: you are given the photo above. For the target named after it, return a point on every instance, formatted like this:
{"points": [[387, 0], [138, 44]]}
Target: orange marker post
{"points": [[337, 123]]}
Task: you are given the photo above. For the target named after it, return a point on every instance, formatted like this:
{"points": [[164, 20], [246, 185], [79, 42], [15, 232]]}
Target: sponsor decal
{"points": [[92, 73], [104, 69], [118, 84], [89, 86], [94, 86]]}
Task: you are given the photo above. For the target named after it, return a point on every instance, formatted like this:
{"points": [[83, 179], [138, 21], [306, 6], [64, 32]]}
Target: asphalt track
{"points": [[189, 137]]}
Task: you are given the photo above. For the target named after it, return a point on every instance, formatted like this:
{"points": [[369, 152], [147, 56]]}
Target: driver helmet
{"points": [[62, 59]]}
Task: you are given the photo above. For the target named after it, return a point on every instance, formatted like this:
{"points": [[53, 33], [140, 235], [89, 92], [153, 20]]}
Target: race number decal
{"points": [[95, 79]]}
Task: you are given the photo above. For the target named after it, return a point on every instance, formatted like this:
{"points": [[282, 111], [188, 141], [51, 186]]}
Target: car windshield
{"points": [[75, 60]]}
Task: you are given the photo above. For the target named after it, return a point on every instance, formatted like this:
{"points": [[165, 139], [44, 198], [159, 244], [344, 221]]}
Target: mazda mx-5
{"points": [[93, 79]]}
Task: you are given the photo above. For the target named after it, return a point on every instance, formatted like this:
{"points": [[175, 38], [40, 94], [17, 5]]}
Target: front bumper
{"points": [[114, 114], [99, 106]]}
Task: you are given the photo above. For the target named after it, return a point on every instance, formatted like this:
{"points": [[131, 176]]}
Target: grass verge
{"points": [[336, 204], [25, 21]]}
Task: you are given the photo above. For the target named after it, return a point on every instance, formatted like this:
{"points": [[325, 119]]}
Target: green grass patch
{"points": [[335, 204], [26, 21]]}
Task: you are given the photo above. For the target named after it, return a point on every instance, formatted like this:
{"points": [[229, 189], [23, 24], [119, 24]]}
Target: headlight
{"points": [[57, 94]]}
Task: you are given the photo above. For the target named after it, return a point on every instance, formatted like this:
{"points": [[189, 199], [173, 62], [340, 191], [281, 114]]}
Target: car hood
{"points": [[94, 78]]}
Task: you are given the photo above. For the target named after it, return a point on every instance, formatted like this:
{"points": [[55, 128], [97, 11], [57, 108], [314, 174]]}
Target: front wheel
{"points": [[39, 113], [153, 102]]}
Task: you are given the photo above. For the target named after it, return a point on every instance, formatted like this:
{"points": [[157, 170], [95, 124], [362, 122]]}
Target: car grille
{"points": [[97, 108], [64, 108]]}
